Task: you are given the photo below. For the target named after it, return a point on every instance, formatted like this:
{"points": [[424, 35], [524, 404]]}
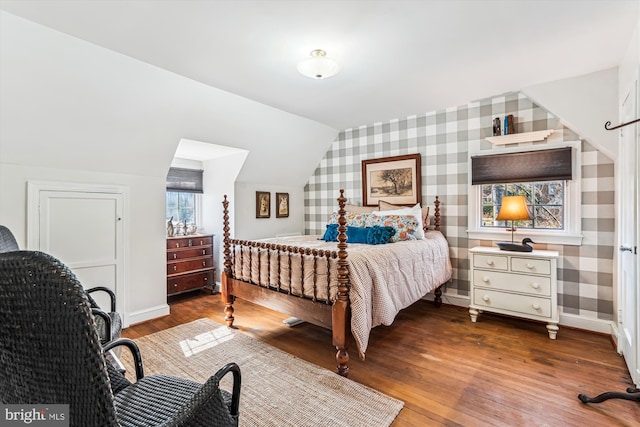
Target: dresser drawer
{"points": [[534, 285], [178, 267], [520, 304], [189, 282], [187, 242], [495, 262], [531, 265], [193, 252]]}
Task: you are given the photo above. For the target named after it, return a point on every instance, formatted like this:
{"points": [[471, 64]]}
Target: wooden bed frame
{"points": [[335, 316]]}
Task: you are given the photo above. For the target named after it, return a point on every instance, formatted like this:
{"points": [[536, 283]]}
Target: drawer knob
{"points": [[175, 256], [489, 262], [535, 285], [177, 245], [175, 285], [529, 265], [204, 252], [535, 306], [485, 279], [190, 243], [204, 263], [175, 268], [201, 243], [485, 298]]}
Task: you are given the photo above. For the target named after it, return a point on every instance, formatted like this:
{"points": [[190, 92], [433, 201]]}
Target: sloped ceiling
{"points": [[398, 57], [116, 84]]}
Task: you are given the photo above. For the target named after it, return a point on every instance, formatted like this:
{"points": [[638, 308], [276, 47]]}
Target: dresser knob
{"points": [[175, 268], [489, 262], [485, 298], [175, 285], [536, 306], [204, 263], [485, 279], [535, 285], [175, 256], [529, 265], [204, 252]]}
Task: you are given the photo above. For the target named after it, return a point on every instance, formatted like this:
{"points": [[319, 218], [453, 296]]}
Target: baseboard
{"points": [[594, 325], [147, 314], [571, 320], [458, 300]]}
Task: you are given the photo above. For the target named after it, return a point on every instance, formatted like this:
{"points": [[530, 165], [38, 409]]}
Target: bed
{"points": [[319, 282]]}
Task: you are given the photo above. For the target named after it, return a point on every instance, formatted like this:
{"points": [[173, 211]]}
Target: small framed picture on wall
{"points": [[263, 204], [282, 205]]}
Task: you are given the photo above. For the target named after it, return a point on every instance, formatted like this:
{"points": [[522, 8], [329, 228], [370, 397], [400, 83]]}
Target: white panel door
{"points": [[84, 230], [629, 303]]}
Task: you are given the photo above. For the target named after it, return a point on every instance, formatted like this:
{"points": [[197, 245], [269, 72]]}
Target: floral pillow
{"points": [[405, 225], [353, 219]]}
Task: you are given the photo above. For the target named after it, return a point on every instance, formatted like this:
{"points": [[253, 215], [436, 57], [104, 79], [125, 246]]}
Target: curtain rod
{"points": [[606, 125]]}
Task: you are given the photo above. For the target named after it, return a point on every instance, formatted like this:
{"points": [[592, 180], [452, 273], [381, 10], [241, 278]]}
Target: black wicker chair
{"points": [[50, 353], [109, 323]]}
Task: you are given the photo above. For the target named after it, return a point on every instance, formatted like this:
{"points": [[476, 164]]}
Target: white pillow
{"points": [[413, 211]]}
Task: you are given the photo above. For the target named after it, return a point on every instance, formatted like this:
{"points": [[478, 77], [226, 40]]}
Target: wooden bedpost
{"points": [[227, 298], [341, 313], [436, 215], [436, 222]]}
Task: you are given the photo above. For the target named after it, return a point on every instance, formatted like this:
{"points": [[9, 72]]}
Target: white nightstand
{"points": [[521, 284]]}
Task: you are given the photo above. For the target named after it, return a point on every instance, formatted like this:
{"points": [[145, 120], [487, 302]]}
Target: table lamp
{"points": [[514, 208]]}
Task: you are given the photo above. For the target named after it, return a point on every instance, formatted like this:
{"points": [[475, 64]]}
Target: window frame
{"points": [[197, 208], [570, 235]]}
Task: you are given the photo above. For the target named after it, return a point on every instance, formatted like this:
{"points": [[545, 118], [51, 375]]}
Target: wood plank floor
{"points": [[449, 371]]}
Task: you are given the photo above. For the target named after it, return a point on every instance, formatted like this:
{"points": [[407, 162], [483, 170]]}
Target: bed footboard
{"points": [[323, 307]]}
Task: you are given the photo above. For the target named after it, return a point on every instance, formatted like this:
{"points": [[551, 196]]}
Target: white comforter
{"points": [[384, 278]]}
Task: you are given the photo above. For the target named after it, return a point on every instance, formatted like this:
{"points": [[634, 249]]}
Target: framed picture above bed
{"points": [[394, 179], [263, 204]]}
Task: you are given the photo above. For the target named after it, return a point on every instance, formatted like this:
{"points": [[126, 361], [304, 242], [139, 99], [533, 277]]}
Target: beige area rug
{"points": [[278, 389]]}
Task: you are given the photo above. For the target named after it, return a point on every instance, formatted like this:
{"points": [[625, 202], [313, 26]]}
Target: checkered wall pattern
{"points": [[444, 139]]}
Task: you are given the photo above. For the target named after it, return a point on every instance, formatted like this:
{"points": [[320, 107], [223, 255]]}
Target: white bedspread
{"points": [[384, 278]]}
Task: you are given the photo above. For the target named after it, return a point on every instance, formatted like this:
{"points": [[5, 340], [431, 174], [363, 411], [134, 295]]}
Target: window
{"points": [[555, 202], [184, 189], [544, 199], [181, 207]]}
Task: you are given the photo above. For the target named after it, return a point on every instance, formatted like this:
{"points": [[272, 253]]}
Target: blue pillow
{"points": [[357, 234], [375, 235], [380, 234], [331, 235]]}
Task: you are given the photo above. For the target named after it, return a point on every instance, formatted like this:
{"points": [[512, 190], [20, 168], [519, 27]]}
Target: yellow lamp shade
{"points": [[514, 208]]}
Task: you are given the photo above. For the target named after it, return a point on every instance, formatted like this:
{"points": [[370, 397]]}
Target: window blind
{"points": [[184, 180], [526, 166]]}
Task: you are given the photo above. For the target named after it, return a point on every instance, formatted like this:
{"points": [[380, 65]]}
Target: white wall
{"points": [[250, 227], [74, 111], [145, 271], [585, 103]]}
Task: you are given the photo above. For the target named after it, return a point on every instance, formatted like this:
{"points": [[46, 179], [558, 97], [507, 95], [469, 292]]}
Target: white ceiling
{"points": [[398, 58]]}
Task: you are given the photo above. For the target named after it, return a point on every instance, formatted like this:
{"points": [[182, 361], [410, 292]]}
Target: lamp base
{"points": [[516, 247]]}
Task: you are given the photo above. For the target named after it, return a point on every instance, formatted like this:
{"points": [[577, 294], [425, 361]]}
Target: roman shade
{"points": [[526, 166], [184, 180]]}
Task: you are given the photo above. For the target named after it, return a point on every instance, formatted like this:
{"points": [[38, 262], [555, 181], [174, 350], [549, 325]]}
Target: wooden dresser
{"points": [[189, 263], [521, 284]]}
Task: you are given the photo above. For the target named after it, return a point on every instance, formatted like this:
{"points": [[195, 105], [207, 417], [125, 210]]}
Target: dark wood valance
{"points": [[184, 180], [525, 166]]}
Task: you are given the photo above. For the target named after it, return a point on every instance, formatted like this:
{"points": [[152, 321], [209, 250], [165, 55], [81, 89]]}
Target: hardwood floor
{"points": [[449, 371]]}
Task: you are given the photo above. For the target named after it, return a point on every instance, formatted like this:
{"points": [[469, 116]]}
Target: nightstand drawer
{"points": [[530, 265], [534, 285], [530, 305], [495, 262]]}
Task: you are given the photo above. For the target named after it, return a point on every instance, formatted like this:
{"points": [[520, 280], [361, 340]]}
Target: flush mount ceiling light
{"points": [[318, 66]]}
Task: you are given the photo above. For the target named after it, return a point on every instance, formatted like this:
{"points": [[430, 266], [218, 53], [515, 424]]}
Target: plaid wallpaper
{"points": [[445, 138]]}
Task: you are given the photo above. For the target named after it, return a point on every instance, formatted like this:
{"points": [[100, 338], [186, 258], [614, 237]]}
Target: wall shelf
{"points": [[516, 138]]}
